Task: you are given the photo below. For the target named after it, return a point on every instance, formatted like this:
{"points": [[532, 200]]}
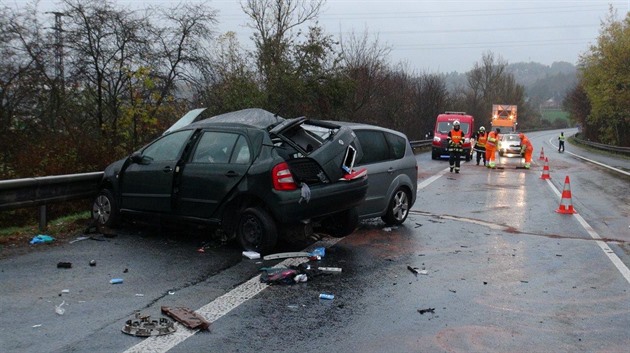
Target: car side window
{"points": [[397, 144], [374, 146], [168, 148], [241, 153], [215, 147]]}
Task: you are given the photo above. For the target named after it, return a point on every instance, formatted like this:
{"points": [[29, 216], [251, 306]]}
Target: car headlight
{"points": [[467, 140], [437, 139]]}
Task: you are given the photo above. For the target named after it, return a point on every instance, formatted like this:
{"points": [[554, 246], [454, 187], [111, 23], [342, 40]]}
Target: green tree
{"points": [[606, 81]]}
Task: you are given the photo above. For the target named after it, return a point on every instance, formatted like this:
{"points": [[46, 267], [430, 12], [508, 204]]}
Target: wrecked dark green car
{"points": [[254, 175]]}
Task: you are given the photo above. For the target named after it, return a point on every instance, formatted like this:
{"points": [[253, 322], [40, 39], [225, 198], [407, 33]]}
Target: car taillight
{"points": [[282, 178]]}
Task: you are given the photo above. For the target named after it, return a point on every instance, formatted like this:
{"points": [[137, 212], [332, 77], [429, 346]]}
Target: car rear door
{"points": [[218, 162], [377, 159], [147, 183]]}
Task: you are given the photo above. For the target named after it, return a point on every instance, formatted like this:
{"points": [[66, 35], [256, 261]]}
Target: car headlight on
{"points": [[467, 140], [437, 139]]}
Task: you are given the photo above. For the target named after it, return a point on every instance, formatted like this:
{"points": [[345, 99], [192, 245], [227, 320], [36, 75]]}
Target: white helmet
{"points": [[482, 129], [456, 123]]}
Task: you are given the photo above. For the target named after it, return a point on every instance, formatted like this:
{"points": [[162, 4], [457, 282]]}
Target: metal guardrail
{"points": [[420, 143], [41, 191], [601, 146]]}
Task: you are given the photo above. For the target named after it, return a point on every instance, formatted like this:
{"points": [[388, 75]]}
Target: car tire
{"points": [[105, 210], [398, 208], [468, 157], [341, 224], [257, 231]]}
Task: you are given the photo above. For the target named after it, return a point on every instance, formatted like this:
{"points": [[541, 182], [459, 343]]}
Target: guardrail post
{"points": [[42, 218]]}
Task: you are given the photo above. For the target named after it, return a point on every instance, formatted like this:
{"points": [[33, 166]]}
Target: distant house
{"points": [[550, 104]]}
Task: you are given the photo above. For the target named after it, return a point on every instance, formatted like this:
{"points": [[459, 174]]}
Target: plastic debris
{"points": [[41, 238], [327, 296], [65, 291], [330, 269], [116, 281], [252, 255], [305, 193], [285, 276], [320, 251], [92, 263], [58, 308], [38, 325], [300, 278]]}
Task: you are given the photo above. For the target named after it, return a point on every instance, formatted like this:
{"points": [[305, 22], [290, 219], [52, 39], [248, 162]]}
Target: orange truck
{"points": [[504, 116]]}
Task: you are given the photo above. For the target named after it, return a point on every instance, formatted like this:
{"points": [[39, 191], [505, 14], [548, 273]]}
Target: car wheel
{"points": [[257, 231], [342, 223], [398, 208], [105, 209], [467, 157]]}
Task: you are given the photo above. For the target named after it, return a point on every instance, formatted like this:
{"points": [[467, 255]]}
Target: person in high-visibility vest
{"points": [[455, 146], [561, 142], [480, 144], [526, 149], [491, 147]]}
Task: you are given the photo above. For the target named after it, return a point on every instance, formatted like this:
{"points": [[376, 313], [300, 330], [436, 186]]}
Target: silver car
{"points": [[392, 172]]}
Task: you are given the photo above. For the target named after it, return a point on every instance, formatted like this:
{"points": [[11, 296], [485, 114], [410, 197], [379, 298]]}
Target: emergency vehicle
{"points": [[444, 124]]}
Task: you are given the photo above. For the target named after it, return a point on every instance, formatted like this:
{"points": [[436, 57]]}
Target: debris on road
{"points": [[143, 326], [252, 255], [116, 281], [327, 296], [187, 317], [92, 263], [413, 270], [286, 255], [64, 265], [329, 269], [429, 310], [58, 308], [78, 239], [42, 238]]}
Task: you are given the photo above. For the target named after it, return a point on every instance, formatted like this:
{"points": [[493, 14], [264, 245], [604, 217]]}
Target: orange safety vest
{"points": [[528, 145], [492, 139], [481, 140], [456, 136]]}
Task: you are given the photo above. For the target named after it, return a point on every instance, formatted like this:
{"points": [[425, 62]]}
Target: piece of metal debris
{"points": [[143, 326], [286, 255], [187, 317]]}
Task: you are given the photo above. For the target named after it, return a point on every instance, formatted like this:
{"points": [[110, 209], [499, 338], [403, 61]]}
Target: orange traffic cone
{"points": [[566, 205], [545, 173], [542, 154]]}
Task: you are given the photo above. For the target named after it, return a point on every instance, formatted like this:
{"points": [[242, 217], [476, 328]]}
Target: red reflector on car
{"points": [[282, 178]]}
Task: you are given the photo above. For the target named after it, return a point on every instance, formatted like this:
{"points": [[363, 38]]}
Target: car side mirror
{"points": [[136, 157]]}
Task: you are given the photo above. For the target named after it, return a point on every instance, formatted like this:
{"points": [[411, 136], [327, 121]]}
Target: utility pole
{"points": [[59, 73], [59, 88]]}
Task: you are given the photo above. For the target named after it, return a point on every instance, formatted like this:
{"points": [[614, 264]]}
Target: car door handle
{"points": [[390, 170], [231, 173], [167, 169]]}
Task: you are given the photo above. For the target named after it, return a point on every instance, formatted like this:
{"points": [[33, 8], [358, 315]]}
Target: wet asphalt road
{"points": [[504, 272]]}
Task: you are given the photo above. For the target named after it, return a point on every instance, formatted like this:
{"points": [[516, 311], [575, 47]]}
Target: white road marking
{"points": [[217, 308], [623, 269]]}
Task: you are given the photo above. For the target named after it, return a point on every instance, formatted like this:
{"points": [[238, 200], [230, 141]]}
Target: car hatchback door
{"points": [[147, 182]]}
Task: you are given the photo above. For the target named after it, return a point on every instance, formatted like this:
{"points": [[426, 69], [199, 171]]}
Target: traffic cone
{"points": [[545, 173], [542, 154], [566, 205]]}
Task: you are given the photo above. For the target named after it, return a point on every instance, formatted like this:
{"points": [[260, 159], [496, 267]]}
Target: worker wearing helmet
{"points": [[491, 147], [526, 149], [455, 145], [480, 144]]}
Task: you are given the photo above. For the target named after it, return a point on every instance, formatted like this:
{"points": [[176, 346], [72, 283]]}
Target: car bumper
{"points": [[324, 200]]}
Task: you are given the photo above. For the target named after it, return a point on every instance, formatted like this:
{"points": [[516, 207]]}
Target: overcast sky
{"points": [[445, 35]]}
